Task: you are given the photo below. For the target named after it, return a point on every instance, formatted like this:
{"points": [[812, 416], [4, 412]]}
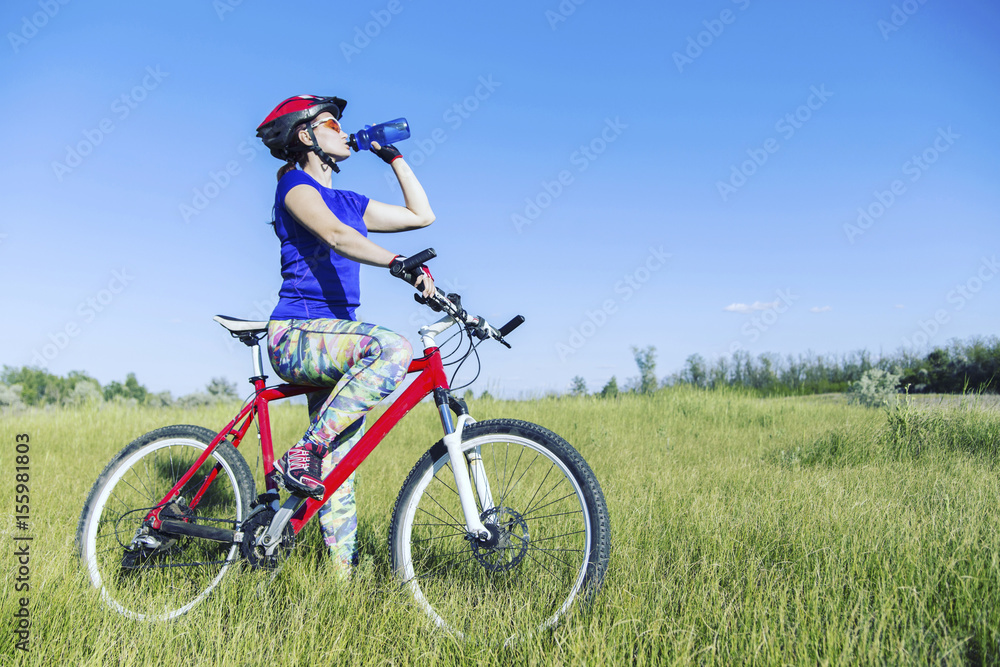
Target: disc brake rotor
{"points": [[508, 542]]}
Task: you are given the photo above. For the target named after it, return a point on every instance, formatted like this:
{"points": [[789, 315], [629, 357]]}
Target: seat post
{"points": [[253, 342]]}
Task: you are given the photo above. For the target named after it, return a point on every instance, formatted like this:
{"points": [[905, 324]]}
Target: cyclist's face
{"points": [[332, 141]]}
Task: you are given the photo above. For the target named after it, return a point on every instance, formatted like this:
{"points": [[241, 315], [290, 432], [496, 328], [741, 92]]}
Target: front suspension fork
{"points": [[467, 467]]}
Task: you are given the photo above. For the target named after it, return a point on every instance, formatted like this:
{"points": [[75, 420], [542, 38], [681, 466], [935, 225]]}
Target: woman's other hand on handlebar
{"points": [[425, 283]]}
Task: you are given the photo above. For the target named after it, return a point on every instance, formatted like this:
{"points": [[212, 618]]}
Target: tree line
{"points": [[956, 367], [29, 386]]}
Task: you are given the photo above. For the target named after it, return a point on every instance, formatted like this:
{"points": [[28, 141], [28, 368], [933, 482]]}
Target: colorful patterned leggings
{"points": [[361, 364]]}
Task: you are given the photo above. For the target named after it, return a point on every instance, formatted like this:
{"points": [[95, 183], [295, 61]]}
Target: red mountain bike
{"points": [[501, 524]]}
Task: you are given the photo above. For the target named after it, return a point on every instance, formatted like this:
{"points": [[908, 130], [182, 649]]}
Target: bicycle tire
{"points": [[157, 585], [539, 566]]}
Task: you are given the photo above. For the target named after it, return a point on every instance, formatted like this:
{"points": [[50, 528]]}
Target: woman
{"points": [[313, 336]]}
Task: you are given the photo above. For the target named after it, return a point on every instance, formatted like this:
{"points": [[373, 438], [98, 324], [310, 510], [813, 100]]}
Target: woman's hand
{"points": [[425, 283], [387, 153]]}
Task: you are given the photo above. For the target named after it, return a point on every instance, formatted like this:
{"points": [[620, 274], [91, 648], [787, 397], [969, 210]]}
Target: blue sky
{"points": [[778, 177]]}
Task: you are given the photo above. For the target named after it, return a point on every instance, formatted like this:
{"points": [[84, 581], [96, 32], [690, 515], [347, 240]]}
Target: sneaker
{"points": [[301, 470]]}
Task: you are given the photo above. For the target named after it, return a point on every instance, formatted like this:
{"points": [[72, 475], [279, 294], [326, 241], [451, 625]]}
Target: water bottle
{"points": [[383, 134]]}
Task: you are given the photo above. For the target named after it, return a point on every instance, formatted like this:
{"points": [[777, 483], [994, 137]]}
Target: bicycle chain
{"points": [[166, 565]]}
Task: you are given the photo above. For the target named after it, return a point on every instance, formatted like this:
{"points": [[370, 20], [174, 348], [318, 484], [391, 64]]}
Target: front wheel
{"points": [[549, 541], [142, 573]]}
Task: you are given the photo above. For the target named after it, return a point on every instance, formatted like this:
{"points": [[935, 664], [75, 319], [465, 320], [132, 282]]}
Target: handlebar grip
{"points": [[510, 326], [410, 263]]}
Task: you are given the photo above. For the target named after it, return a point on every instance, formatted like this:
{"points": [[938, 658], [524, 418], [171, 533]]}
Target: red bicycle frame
{"points": [[431, 377]]}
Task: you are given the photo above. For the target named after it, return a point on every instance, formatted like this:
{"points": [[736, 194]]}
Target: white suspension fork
{"points": [[479, 479], [460, 468], [462, 465]]}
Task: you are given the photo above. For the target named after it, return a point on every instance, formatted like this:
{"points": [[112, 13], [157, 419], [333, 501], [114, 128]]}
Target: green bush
{"points": [[876, 388]]}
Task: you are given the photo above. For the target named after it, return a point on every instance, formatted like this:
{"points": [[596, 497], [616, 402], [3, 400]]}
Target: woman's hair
{"points": [[300, 157]]}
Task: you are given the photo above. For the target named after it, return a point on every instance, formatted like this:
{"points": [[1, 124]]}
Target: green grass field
{"points": [[744, 531]]}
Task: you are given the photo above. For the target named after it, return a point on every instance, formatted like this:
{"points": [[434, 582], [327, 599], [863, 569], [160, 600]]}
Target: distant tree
{"points": [[222, 389], [196, 399], [694, 371], [10, 396], [645, 359], [163, 399], [38, 387], [85, 393], [578, 387], [130, 390], [468, 395], [486, 395], [610, 390]]}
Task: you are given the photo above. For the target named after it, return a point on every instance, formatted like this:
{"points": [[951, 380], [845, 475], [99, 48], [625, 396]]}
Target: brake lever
{"points": [[424, 301]]}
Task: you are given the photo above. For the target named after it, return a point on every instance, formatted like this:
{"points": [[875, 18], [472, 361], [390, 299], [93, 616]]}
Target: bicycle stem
{"points": [[429, 331]]}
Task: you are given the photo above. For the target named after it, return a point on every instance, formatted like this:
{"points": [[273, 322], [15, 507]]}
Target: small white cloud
{"points": [[820, 309], [749, 308], [900, 306]]}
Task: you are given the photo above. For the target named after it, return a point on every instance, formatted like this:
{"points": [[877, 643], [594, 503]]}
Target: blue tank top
{"points": [[317, 282]]}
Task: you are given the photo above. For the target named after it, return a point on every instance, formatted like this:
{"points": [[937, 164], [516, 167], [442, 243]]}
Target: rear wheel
{"points": [[147, 574], [549, 540]]}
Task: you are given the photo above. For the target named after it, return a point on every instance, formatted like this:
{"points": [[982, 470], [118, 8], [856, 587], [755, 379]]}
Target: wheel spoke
{"points": [[529, 509], [528, 512], [434, 500]]}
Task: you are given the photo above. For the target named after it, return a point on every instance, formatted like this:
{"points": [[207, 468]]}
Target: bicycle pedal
{"points": [[298, 492]]}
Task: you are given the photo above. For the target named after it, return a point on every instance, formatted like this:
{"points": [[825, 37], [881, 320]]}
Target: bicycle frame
{"points": [[431, 379]]}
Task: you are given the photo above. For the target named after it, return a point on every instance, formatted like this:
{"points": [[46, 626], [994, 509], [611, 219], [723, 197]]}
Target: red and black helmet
{"points": [[278, 129]]}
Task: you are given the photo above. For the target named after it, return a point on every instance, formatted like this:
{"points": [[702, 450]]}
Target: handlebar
{"points": [[452, 303]]}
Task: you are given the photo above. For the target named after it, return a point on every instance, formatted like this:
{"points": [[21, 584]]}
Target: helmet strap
{"points": [[327, 160]]}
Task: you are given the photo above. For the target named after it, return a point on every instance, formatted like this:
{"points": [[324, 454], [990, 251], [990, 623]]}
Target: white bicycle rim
{"points": [[90, 545], [409, 575]]}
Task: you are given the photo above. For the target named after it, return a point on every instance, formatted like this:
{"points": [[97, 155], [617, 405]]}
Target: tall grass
{"points": [[745, 530]]}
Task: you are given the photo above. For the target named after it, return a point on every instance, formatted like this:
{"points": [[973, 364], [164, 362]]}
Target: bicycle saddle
{"points": [[237, 326]]}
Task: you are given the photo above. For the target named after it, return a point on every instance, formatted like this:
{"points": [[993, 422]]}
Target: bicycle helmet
{"points": [[278, 129]]}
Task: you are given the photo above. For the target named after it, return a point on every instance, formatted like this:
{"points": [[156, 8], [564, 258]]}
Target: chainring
{"points": [[256, 527]]}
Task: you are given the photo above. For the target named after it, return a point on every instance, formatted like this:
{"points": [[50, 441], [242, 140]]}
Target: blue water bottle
{"points": [[383, 134]]}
